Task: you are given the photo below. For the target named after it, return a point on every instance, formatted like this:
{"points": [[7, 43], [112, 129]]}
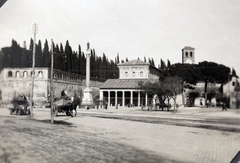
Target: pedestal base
{"points": [[87, 100]]}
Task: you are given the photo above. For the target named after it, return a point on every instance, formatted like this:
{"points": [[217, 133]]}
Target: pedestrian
{"points": [[106, 104], [224, 107]]}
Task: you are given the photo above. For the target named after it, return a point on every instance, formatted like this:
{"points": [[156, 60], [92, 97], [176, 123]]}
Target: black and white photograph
{"points": [[116, 81]]}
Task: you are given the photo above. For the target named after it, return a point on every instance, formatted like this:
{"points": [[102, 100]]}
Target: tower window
{"points": [[186, 54], [233, 83], [141, 74], [190, 54]]}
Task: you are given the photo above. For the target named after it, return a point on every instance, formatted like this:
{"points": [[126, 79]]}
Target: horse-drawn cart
{"points": [[20, 105], [64, 105]]}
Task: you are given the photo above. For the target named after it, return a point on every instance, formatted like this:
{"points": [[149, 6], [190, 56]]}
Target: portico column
{"points": [[146, 99], [139, 103], [131, 97], [123, 98], [101, 98], [108, 98], [116, 98]]}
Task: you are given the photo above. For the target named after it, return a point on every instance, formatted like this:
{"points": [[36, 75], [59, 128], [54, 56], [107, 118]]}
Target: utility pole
{"points": [[51, 87], [33, 68]]}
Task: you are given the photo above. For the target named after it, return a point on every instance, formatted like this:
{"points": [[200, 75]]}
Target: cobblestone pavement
{"points": [[169, 142]]}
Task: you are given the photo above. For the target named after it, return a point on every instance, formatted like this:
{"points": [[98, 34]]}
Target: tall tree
{"points": [[168, 64], [46, 55], [163, 65], [68, 52], [172, 85], [39, 55], [210, 72], [152, 62]]}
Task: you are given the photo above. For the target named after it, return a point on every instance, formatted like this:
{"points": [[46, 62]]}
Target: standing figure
{"points": [[224, 107]]}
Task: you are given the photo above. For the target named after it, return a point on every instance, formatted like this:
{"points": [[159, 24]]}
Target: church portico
{"points": [[122, 97]]}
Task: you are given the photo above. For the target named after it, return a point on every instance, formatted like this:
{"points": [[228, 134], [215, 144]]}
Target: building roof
{"points": [[133, 62], [188, 48], [121, 83]]}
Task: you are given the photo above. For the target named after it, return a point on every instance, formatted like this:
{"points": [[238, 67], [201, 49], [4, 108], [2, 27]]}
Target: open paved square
{"points": [[89, 138]]}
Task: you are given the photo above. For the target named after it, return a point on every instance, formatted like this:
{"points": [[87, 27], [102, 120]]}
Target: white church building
{"points": [[124, 91]]}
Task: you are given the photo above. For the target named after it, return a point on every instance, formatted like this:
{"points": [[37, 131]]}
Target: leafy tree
{"points": [[210, 72], [172, 85]]}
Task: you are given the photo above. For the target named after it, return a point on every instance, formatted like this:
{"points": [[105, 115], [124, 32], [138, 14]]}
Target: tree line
{"points": [[65, 59]]}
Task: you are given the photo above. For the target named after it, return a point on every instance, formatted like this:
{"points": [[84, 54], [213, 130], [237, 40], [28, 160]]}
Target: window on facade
{"points": [[40, 74], [9, 73], [25, 74], [17, 74], [141, 74], [233, 83], [126, 74], [54, 75], [186, 54], [190, 54], [32, 73], [134, 74]]}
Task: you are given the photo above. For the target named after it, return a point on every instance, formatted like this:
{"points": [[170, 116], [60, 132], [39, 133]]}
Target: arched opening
{"points": [[9, 73], [25, 74], [40, 74], [141, 74], [186, 54], [17, 74], [133, 74], [191, 54], [126, 74], [233, 83]]}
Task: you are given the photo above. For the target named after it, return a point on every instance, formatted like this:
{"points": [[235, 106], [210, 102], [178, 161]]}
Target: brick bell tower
{"points": [[188, 55]]}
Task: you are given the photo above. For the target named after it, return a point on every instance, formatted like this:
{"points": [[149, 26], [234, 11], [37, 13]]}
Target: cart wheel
{"points": [[67, 113], [19, 112], [75, 112], [71, 113], [28, 110]]}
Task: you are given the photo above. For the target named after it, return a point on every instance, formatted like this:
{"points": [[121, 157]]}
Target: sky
{"points": [[157, 29]]}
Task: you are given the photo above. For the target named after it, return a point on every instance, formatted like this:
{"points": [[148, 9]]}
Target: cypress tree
{"points": [[39, 55], [68, 52], [46, 55]]}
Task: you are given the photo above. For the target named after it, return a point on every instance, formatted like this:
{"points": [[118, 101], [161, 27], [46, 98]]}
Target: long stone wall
{"points": [[15, 81]]}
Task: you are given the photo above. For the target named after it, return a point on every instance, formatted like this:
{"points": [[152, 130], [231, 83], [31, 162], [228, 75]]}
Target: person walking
{"points": [[224, 107]]}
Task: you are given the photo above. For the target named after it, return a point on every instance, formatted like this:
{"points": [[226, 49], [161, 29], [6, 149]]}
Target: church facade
{"points": [[124, 91]]}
